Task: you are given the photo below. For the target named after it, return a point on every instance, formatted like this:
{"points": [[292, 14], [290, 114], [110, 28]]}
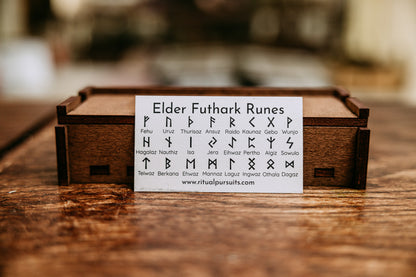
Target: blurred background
{"points": [[50, 49]]}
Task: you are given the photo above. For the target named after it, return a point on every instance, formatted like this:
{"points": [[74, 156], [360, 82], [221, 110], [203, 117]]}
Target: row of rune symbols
{"points": [[213, 163], [231, 123], [231, 144]]}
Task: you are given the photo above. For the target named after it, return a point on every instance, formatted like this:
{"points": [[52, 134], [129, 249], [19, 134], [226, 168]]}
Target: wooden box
{"points": [[95, 135]]}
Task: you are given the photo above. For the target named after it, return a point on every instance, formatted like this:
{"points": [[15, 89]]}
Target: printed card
{"points": [[219, 144]]}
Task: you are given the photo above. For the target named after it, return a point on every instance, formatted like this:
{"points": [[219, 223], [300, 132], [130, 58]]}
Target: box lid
{"points": [[321, 106]]}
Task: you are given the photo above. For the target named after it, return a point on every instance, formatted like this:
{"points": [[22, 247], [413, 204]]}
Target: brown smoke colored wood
{"points": [[100, 132]]}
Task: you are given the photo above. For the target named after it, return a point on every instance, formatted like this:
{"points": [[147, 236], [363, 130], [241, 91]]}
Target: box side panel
{"points": [[329, 154], [104, 154], [361, 158], [101, 153], [62, 154]]}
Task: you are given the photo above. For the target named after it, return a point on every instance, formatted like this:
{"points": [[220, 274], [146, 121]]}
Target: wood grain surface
{"points": [[108, 230], [330, 106], [113, 104]]}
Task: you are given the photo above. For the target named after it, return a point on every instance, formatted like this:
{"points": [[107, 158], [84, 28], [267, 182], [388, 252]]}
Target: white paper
{"points": [[219, 144]]}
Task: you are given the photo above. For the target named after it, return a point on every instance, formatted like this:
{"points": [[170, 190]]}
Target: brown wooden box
{"points": [[95, 135]]}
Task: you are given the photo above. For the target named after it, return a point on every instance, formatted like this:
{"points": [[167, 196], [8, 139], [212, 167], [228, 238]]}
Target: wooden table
{"points": [[108, 230]]}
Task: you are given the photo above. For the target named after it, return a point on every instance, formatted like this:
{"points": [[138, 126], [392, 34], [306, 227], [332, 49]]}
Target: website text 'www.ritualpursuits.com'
{"points": [[214, 182]]}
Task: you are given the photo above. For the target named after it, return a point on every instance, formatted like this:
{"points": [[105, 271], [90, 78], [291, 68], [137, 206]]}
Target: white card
{"points": [[219, 144]]}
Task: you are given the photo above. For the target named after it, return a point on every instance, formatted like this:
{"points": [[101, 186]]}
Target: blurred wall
{"points": [[12, 18], [383, 32], [365, 35]]}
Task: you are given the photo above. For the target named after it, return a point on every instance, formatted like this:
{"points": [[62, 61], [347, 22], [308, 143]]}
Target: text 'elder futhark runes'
{"points": [[218, 144]]}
